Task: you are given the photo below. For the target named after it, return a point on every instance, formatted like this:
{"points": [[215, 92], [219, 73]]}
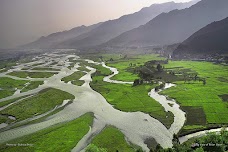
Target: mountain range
{"points": [[81, 37], [211, 39], [54, 39], [198, 26], [173, 27]]}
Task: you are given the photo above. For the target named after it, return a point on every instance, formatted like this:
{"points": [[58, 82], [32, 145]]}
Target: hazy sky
{"points": [[23, 21]]}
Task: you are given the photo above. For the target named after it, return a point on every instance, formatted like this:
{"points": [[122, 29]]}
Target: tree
{"points": [[169, 150], [175, 139], [151, 150], [199, 150], [195, 77], [158, 148], [159, 67], [101, 58], [156, 89], [204, 81], [141, 81], [136, 82], [162, 86]]}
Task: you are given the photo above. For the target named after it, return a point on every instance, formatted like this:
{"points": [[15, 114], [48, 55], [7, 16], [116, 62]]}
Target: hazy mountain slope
{"points": [[173, 27], [113, 28], [53, 39], [211, 39]]}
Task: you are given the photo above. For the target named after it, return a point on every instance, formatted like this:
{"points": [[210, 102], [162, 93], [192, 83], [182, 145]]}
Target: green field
{"points": [[32, 85], [205, 98], [83, 68], [74, 78], [110, 140], [7, 64], [130, 99], [45, 69], [206, 102], [124, 68], [23, 74], [8, 86], [4, 103], [44, 101], [61, 137]]}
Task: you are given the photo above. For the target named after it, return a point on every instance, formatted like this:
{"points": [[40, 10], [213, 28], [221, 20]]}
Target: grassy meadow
{"points": [[122, 64], [42, 102], [45, 69], [129, 98], [8, 86], [61, 137], [205, 105], [202, 102], [24, 74], [110, 140], [32, 85], [74, 78]]}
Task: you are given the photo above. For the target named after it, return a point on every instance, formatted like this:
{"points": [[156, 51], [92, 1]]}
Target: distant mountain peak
{"points": [[113, 28], [172, 27], [211, 39]]}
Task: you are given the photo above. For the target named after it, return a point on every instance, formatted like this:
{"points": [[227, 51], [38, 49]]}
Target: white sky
{"points": [[23, 21]]}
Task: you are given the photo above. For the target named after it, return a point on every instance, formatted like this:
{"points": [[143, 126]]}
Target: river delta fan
{"points": [[150, 81], [105, 113]]}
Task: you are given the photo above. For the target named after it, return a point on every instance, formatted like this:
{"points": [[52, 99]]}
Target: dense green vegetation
{"points": [[83, 68], [201, 91], [202, 100], [7, 64], [3, 119], [125, 66], [45, 69], [32, 85], [128, 98], [8, 86], [44, 101], [23, 74], [74, 78], [11, 83], [212, 142], [4, 103], [110, 140], [194, 82], [61, 137]]}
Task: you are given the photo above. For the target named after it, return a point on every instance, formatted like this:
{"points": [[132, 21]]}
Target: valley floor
{"points": [[82, 105]]}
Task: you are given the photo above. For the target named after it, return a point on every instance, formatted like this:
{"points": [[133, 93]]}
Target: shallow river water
{"points": [[131, 124]]}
